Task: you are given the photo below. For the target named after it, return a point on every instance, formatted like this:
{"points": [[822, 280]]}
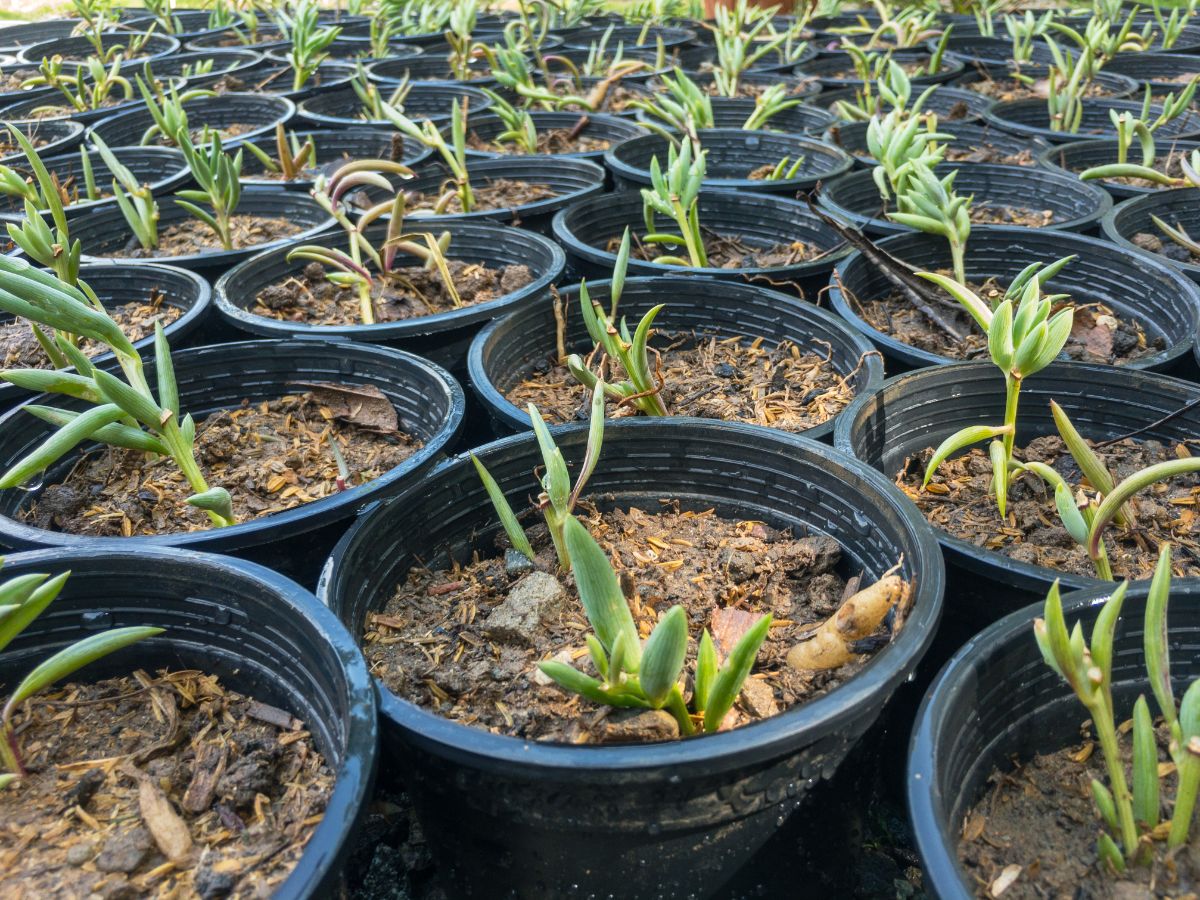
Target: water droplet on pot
{"points": [[862, 522], [674, 779], [97, 619], [655, 828], [753, 142], [779, 822], [32, 484], [222, 616]]}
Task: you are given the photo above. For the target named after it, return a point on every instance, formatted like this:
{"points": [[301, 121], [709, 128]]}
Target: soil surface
{"points": [[733, 379], [1003, 90], [753, 90], [499, 193], [551, 141], [1039, 821], [1098, 334], [1168, 164], [271, 456], [465, 642], [411, 292], [616, 100], [1164, 246], [193, 236], [729, 252], [12, 82], [960, 501], [986, 153], [21, 350], [59, 112], [122, 768]]}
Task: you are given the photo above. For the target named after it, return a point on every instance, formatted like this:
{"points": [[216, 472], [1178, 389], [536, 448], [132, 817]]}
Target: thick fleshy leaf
{"points": [[60, 443], [1145, 766], [599, 591], [1155, 644], [504, 512], [729, 680], [663, 656], [1129, 487], [965, 437]]}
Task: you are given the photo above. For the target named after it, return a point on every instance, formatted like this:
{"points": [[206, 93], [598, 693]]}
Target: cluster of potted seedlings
{"points": [[592, 415]]}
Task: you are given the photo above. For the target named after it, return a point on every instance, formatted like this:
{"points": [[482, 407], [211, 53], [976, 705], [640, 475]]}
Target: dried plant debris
{"points": [[21, 349], [168, 786], [490, 193], [193, 236]]}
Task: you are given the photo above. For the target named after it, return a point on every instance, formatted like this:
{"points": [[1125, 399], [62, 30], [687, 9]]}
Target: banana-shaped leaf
{"points": [[663, 656], [1155, 644], [599, 590], [214, 500], [508, 518], [1128, 488], [1145, 767], [60, 443], [48, 381], [131, 402], [706, 672], [729, 680], [31, 606], [972, 434]]}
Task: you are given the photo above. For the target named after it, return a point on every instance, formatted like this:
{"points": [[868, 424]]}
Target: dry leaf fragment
{"points": [[973, 827], [363, 405], [272, 715], [728, 626], [1005, 880], [169, 831]]}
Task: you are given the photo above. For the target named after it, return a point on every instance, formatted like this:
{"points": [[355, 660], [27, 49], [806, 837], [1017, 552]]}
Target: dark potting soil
{"points": [[498, 193], [1098, 334], [751, 91], [1163, 246], [411, 292], [21, 350], [1004, 90], [1169, 164], [728, 252], [986, 153], [270, 456], [193, 236], [550, 141], [56, 112], [11, 82], [960, 501], [323, 164], [733, 379], [1036, 830], [465, 642], [616, 99], [165, 786]]}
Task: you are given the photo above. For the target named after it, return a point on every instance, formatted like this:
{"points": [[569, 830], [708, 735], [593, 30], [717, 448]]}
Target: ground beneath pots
{"points": [[497, 193], [271, 456], [412, 292], [959, 500], [192, 236], [1039, 821], [728, 252], [1098, 334], [1163, 246], [122, 765], [464, 642], [20, 349], [551, 141], [734, 379]]}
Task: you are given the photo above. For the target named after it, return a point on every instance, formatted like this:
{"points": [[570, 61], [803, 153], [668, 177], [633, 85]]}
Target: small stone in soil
{"points": [[80, 853], [639, 726], [124, 851], [516, 563], [758, 698], [532, 602]]}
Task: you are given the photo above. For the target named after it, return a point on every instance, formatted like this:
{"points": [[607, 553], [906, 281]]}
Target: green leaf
{"points": [[115, 435], [965, 437], [598, 655], [1069, 513], [1103, 634], [1110, 853], [1000, 342], [45, 381], [577, 682], [706, 671], [1058, 330], [663, 656], [979, 310], [1145, 766], [131, 402], [508, 518], [1105, 805], [620, 267], [214, 500], [1085, 457], [557, 479], [1155, 644], [31, 606], [999, 457], [728, 683], [168, 392], [60, 443], [1130, 486], [599, 590]]}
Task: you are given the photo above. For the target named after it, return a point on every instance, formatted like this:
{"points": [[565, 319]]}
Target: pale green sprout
{"points": [[373, 102], [85, 87], [310, 40], [1130, 129], [785, 169], [453, 153], [1023, 31], [291, 157], [676, 195], [1171, 28], [519, 128], [167, 111], [22, 600], [931, 205], [899, 141], [1130, 817], [458, 35], [738, 33], [685, 108], [134, 199], [218, 175], [886, 87]]}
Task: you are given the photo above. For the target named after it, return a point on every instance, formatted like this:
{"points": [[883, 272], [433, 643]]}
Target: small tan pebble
{"points": [[563, 656]]}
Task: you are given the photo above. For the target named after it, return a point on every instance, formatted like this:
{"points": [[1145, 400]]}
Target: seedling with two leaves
{"points": [[1130, 129]]}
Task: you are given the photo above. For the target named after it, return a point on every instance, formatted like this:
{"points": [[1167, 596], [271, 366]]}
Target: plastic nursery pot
{"points": [[913, 412], [185, 24], [161, 168], [428, 66], [837, 69], [119, 283], [340, 108], [796, 85], [251, 114], [428, 401], [229, 39], [951, 104], [570, 180], [1163, 72], [74, 50], [104, 232], [443, 337], [502, 353], [1114, 86], [760, 220], [13, 38], [1076, 205], [28, 104], [22, 71], [224, 63], [732, 155], [271, 78], [968, 137], [630, 37], [976, 48], [1074, 158], [1133, 285], [334, 146], [733, 113], [49, 137], [1178, 207], [350, 49], [260, 633], [597, 126], [997, 701], [527, 819], [1031, 117]]}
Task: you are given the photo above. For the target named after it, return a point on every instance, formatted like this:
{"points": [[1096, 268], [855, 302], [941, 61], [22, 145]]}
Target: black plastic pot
{"points": [[74, 50], [998, 51], [1031, 117], [342, 108], [334, 147], [732, 155], [59, 135], [185, 24], [1114, 85], [1074, 158], [442, 338], [630, 36], [119, 283], [797, 85], [570, 180], [915, 411], [428, 400], [760, 220], [599, 127], [268, 37], [21, 70], [25, 106], [224, 62], [528, 819], [14, 38], [564, 61], [162, 169], [733, 113], [952, 105], [349, 49], [104, 231], [703, 57], [1077, 205], [262, 112], [1133, 216], [1155, 69], [428, 67], [852, 137], [1133, 284], [836, 70], [997, 702], [262, 634], [503, 352]]}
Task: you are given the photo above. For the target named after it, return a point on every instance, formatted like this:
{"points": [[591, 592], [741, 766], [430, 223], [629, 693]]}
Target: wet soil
{"points": [[499, 193], [410, 293], [729, 252], [551, 141], [448, 640], [20, 349], [734, 379], [123, 767], [960, 501], [193, 236], [1163, 246], [270, 456]]}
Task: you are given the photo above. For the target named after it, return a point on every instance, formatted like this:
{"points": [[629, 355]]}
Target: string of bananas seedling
{"points": [[886, 89], [291, 157], [898, 142], [676, 195], [452, 153], [520, 131], [22, 600], [685, 108], [86, 87], [1131, 816], [742, 37], [310, 40], [1129, 129], [931, 205], [169, 118], [372, 99]]}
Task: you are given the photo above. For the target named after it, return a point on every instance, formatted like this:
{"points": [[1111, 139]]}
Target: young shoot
{"points": [[167, 112], [134, 199], [899, 142], [218, 175], [309, 41], [1131, 816], [931, 205], [785, 169], [519, 129], [453, 154], [373, 102], [22, 600], [291, 157], [685, 108], [886, 86], [676, 195], [1130, 129], [458, 35], [740, 35], [1023, 338], [85, 87]]}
